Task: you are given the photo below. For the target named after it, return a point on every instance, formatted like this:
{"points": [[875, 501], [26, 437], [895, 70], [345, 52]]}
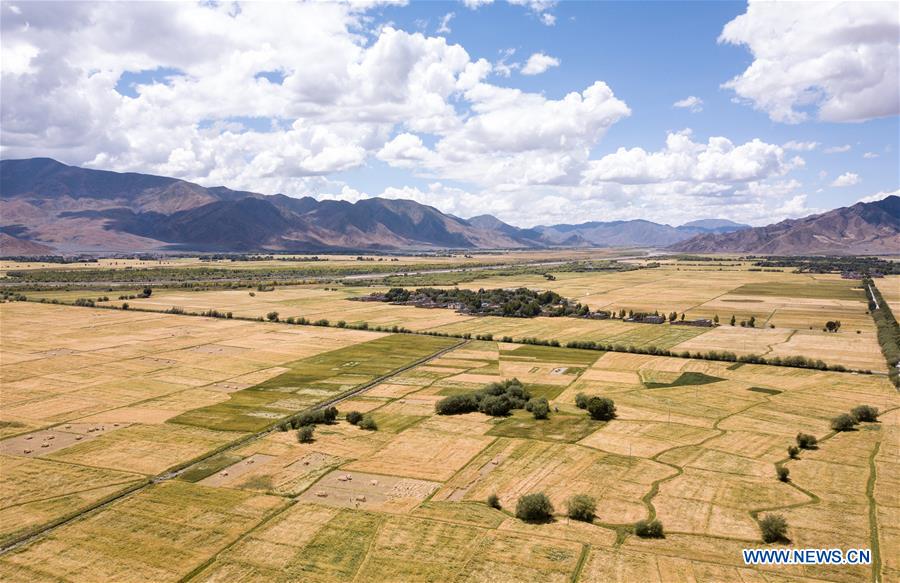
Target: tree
{"points": [[865, 414], [843, 422], [783, 473], [773, 528], [534, 508], [493, 501], [272, 316], [733, 319], [793, 452], [649, 529], [354, 417], [581, 507], [716, 319], [581, 401], [806, 441], [752, 322], [832, 326], [495, 405], [540, 408], [367, 422], [147, 292], [601, 408], [305, 433]]}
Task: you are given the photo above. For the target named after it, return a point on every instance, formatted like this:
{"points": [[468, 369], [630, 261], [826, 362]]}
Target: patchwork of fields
{"points": [[790, 310], [695, 444]]}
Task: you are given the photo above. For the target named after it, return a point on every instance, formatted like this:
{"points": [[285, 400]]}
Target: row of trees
{"points": [[888, 330], [537, 508]]}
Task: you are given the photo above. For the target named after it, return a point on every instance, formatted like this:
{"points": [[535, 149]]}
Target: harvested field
{"points": [[160, 534]]}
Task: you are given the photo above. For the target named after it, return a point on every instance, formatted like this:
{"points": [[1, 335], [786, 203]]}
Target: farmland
{"points": [[790, 310], [161, 430], [694, 444]]}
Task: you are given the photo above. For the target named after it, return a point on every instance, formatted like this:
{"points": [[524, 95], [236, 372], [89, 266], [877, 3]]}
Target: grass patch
{"points": [[395, 422], [687, 378], [209, 467], [557, 427], [312, 380], [551, 354], [808, 289]]}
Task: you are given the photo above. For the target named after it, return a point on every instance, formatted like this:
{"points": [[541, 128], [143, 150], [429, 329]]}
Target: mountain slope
{"points": [[76, 209], [614, 233], [859, 229]]}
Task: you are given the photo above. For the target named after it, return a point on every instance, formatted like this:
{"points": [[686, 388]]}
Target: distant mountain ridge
{"points": [[48, 207], [864, 228]]}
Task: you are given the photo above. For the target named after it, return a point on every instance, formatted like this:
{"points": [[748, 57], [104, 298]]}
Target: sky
{"points": [[534, 111]]}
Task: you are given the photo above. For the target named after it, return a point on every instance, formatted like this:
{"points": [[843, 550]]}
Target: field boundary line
{"points": [[873, 513]]}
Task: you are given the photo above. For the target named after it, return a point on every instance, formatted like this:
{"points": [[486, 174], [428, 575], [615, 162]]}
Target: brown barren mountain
{"points": [[864, 228]]}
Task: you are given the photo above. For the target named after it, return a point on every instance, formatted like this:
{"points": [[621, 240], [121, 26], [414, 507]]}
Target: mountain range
{"points": [[47, 207]]}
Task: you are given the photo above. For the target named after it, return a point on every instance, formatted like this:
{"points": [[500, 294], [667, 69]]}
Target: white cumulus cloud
{"points": [[837, 149], [801, 146], [539, 63], [695, 104], [847, 179], [836, 61]]}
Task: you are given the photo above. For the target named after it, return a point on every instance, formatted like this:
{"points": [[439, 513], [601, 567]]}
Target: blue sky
{"points": [[789, 109]]}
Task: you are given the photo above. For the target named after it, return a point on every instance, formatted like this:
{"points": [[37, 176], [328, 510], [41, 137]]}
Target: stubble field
{"points": [[695, 444]]}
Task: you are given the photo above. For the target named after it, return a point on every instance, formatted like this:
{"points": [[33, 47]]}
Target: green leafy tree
{"points": [[865, 413], [581, 507], [649, 529], [305, 433], [773, 528], [534, 508], [843, 422], [601, 408]]}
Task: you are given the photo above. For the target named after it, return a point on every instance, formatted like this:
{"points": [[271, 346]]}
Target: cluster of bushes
{"points": [[599, 408], [216, 314], [538, 407], [84, 302], [316, 417], [9, 296], [537, 508], [857, 415], [361, 421], [496, 399]]}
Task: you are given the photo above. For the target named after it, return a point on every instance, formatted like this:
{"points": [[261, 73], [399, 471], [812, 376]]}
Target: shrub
{"points": [[843, 422], [793, 452], [806, 441], [865, 413], [601, 408], [272, 316], [125, 305], [367, 422], [354, 417], [534, 508], [773, 528], [783, 473], [540, 408], [581, 507], [493, 501], [581, 401], [649, 529], [305, 433]]}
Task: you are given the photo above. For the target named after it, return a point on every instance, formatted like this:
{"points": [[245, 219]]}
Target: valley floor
{"points": [[145, 446]]}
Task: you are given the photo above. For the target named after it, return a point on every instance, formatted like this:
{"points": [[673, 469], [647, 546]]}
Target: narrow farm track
{"points": [[174, 473]]}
